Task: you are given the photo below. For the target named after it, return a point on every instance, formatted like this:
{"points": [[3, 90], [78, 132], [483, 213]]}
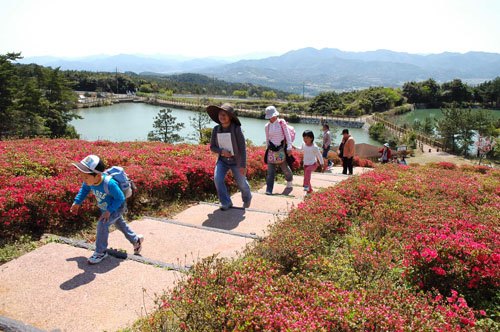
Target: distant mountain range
{"points": [[305, 70]]}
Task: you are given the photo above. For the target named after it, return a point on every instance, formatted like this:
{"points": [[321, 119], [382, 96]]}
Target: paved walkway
{"points": [[54, 288]]}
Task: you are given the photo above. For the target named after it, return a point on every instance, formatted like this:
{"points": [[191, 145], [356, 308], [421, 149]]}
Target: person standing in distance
{"points": [[385, 153], [229, 144], [327, 141], [347, 152], [277, 135]]}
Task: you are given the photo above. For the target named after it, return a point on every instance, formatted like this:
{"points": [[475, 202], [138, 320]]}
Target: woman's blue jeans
{"points": [[221, 169], [101, 241], [271, 173]]}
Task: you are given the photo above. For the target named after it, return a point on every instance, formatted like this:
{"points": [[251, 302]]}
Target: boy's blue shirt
{"points": [[105, 202]]}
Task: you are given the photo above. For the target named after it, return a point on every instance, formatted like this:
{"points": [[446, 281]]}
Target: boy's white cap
{"points": [[89, 164], [271, 111], [386, 145]]}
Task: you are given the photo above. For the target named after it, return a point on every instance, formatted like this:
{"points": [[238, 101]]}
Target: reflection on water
{"points": [[133, 121]]}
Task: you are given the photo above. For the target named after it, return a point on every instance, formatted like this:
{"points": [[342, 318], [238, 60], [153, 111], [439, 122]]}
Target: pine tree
{"points": [[165, 128]]}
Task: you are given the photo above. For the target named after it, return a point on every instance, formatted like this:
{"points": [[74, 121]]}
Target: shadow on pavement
{"points": [[89, 271], [226, 220]]}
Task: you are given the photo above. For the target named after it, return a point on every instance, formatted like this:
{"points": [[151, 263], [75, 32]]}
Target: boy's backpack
{"points": [[118, 174]]}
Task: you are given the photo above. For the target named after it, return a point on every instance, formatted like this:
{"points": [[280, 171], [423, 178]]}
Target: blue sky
{"points": [[202, 28]]}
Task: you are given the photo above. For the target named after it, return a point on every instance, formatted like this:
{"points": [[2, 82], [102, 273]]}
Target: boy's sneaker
{"points": [[225, 207], [289, 184], [97, 257], [268, 193], [138, 244], [306, 188]]}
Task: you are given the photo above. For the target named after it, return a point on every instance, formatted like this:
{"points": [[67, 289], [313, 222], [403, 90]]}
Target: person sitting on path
{"points": [[327, 141], [347, 152], [311, 154], [386, 154], [112, 205], [277, 137], [229, 144], [402, 161]]}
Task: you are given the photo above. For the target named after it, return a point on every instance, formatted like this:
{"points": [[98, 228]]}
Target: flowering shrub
{"points": [[252, 295], [38, 183], [359, 162], [397, 249]]}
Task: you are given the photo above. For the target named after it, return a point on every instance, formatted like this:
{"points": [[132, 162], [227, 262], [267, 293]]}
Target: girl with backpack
{"points": [[279, 146]]}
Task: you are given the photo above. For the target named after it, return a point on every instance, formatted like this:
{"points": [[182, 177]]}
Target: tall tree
{"points": [[33, 106], [325, 103], [8, 88], [457, 129], [165, 128]]}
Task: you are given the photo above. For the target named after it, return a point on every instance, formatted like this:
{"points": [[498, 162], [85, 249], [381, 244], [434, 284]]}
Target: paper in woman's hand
{"points": [[224, 141]]}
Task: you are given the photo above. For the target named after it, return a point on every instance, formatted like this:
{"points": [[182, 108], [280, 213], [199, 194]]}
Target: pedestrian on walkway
{"points": [[346, 152], [229, 144], [312, 157], [327, 141], [385, 154], [279, 141], [111, 202]]}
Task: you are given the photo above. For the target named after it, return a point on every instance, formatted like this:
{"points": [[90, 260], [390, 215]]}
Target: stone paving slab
{"points": [[298, 180], [355, 170], [269, 203], [176, 244], [235, 219], [335, 178], [53, 287], [297, 192]]}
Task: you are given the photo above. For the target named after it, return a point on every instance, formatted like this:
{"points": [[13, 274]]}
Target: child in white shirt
{"points": [[311, 156]]}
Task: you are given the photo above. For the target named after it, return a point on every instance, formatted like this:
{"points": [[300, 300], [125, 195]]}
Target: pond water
{"points": [[133, 121], [434, 114]]}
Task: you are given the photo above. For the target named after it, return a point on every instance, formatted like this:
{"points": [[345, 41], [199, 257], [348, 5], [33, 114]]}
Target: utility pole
{"points": [[116, 80]]}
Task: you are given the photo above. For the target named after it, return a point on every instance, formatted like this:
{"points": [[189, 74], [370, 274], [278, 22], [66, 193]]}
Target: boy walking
{"points": [[111, 202]]}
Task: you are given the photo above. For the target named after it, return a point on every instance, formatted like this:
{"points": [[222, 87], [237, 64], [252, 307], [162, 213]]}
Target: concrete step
{"points": [[298, 180], [268, 203], [336, 170], [177, 244], [234, 219], [336, 178], [53, 287], [280, 190]]}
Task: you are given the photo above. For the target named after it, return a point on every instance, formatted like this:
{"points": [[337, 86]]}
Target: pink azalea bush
{"points": [[396, 249], [38, 183]]}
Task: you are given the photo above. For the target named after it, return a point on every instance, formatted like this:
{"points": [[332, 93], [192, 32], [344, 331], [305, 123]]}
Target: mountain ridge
{"points": [[304, 70]]}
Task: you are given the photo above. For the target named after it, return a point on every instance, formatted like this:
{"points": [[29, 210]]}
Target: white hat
{"points": [[386, 145], [90, 164], [271, 111]]}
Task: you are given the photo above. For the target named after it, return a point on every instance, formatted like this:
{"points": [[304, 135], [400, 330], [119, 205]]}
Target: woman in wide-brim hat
{"points": [[228, 142], [213, 112]]}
